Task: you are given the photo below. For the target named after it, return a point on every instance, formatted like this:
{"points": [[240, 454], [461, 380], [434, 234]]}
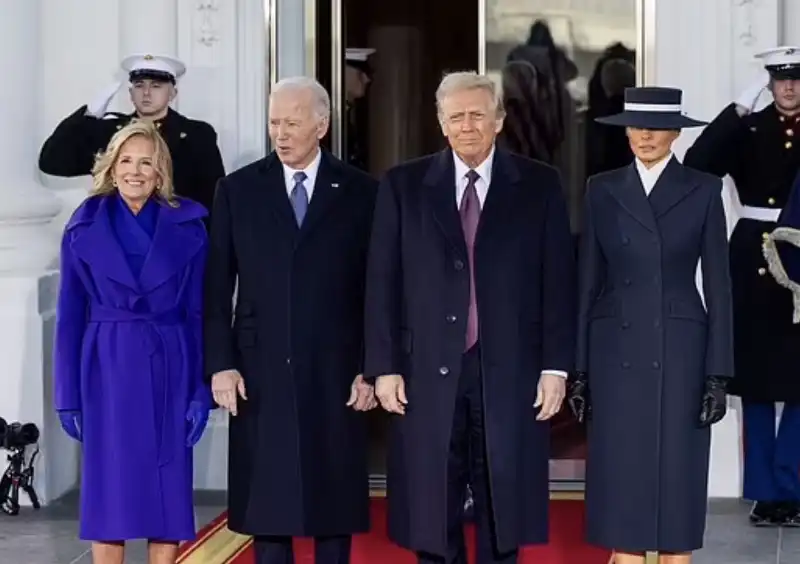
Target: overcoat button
{"points": [[288, 360], [459, 265], [762, 271], [625, 324], [627, 281], [444, 371], [626, 364], [451, 318], [656, 365], [625, 240], [771, 201]]}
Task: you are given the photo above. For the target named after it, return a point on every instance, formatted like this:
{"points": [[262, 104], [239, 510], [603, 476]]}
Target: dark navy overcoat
{"points": [[297, 462], [648, 344], [416, 313]]}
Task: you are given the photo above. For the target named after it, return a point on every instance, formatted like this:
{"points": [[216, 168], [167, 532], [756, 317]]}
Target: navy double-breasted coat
{"points": [[416, 314], [648, 345]]}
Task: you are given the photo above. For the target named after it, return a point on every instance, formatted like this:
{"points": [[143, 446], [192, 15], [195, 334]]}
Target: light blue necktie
{"points": [[299, 197]]}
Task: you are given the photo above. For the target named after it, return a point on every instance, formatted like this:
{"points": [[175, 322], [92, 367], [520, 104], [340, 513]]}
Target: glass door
{"points": [[561, 64]]}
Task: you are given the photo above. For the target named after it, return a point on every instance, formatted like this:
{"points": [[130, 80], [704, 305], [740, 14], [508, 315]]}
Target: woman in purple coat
{"points": [[128, 351]]}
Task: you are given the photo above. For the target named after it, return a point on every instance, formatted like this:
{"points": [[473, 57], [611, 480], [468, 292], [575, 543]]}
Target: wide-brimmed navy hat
{"points": [[782, 248], [652, 107]]}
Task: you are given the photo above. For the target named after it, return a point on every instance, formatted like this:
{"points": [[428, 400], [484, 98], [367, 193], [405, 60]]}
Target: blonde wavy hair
{"points": [[103, 171]]}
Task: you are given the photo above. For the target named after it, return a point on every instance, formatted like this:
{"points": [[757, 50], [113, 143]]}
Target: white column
{"points": [[148, 26], [26, 206], [145, 26], [27, 248], [91, 45]]}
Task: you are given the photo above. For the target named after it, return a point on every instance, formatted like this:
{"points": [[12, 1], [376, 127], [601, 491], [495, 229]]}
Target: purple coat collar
{"points": [[179, 235]]}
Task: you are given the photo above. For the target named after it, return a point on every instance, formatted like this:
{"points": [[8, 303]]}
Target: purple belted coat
{"points": [[128, 356]]}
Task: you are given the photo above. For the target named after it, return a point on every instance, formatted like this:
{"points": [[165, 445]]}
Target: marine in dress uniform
{"points": [[358, 75], [197, 163], [760, 152]]}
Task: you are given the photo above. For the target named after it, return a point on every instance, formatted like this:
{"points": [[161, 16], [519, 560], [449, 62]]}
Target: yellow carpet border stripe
{"points": [[199, 542], [220, 547], [238, 553]]}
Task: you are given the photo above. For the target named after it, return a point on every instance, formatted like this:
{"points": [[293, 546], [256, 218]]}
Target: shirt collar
{"points": [[654, 171], [311, 173], [484, 169]]}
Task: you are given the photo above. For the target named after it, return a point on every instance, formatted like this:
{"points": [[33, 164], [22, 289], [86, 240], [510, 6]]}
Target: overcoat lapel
{"points": [[630, 194], [273, 192], [440, 189], [174, 245], [499, 205], [672, 187], [98, 247], [328, 186]]}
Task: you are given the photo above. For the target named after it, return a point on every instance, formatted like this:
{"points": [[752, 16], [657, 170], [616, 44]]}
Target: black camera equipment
{"points": [[15, 438]]}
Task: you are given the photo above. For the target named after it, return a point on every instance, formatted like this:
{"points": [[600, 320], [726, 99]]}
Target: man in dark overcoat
{"points": [[287, 361], [469, 332], [197, 163], [758, 149]]}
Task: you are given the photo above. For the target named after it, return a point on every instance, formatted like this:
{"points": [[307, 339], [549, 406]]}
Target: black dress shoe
{"points": [[766, 514], [790, 514]]}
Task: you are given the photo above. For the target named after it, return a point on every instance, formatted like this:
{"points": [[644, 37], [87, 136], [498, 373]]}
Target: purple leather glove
{"points": [[72, 423], [197, 415]]}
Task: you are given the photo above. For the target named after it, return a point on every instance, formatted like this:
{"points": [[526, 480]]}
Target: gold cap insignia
{"points": [[148, 57]]}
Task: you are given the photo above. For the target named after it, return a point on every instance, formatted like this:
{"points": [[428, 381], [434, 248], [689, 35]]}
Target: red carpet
{"points": [[566, 542]]}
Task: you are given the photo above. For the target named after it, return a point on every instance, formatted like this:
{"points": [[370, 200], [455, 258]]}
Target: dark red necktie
{"points": [[470, 211]]}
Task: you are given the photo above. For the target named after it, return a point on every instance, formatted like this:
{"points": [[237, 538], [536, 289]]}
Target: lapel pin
{"points": [[183, 135]]}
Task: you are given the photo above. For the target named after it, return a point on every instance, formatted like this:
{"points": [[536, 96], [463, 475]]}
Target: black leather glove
{"points": [[578, 398], [715, 403]]}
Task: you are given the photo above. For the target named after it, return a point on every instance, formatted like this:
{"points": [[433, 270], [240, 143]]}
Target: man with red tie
{"points": [[469, 332]]}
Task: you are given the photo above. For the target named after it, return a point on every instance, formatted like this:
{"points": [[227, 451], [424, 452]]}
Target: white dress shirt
{"points": [[311, 176], [649, 176], [484, 170]]}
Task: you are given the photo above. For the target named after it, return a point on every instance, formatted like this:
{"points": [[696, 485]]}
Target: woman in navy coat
{"points": [[128, 366], [652, 359]]}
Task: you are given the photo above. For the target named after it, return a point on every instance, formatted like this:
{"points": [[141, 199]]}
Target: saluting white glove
{"points": [[747, 100], [99, 104]]}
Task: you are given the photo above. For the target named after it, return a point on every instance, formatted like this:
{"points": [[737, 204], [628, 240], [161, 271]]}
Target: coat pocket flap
{"points": [[682, 310]]}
